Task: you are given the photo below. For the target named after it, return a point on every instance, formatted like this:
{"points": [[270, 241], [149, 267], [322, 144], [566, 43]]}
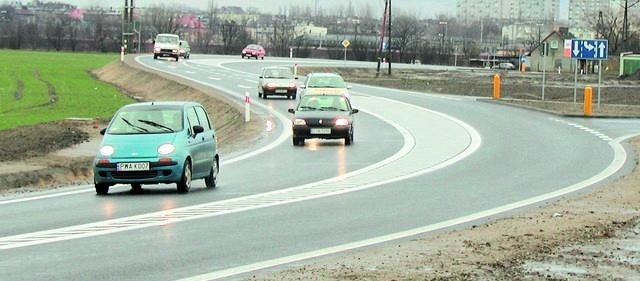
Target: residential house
{"points": [[557, 57]]}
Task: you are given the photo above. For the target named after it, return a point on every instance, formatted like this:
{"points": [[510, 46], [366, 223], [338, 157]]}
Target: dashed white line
{"points": [[245, 87], [591, 131]]}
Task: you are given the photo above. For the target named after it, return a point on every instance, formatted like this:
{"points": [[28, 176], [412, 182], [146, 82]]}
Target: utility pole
{"points": [[128, 27], [389, 53], [625, 26], [382, 29]]}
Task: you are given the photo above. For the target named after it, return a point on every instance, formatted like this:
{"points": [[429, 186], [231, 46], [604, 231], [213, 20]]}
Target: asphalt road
{"points": [[419, 163]]}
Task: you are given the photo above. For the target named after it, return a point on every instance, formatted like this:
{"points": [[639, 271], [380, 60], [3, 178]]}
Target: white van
{"points": [[166, 45]]}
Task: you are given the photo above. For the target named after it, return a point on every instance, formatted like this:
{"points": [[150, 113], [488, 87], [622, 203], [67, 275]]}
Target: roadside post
{"points": [[295, 70], [247, 107], [588, 101], [291, 52], [599, 81], [496, 86], [346, 44], [545, 53], [121, 53]]}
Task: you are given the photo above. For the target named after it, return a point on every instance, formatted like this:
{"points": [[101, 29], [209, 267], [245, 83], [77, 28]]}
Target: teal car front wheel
{"points": [[212, 179], [102, 189], [184, 185]]}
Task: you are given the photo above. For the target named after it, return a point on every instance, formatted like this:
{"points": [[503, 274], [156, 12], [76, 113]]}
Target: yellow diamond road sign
{"points": [[346, 43]]}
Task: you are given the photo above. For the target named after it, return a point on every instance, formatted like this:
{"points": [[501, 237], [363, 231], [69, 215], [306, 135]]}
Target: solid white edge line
{"points": [[620, 157], [26, 199], [409, 143]]}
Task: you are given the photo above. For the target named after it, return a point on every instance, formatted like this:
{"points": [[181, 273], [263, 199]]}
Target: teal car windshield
{"points": [[147, 120], [326, 82]]}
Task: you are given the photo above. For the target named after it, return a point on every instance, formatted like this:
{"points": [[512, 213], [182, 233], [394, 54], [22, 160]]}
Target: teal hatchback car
{"points": [[157, 142]]}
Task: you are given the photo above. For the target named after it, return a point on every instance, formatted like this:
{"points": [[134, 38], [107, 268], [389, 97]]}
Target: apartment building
{"points": [[469, 11], [583, 15]]}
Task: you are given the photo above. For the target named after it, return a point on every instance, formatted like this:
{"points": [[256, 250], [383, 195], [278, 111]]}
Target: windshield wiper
{"points": [[169, 130], [140, 129], [332, 108], [308, 107]]}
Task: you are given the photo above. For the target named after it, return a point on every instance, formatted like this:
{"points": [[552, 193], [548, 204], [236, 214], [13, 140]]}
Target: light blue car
{"points": [[157, 142]]}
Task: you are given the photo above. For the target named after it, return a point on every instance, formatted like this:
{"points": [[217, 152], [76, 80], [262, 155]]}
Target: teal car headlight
{"points": [[166, 148], [107, 150]]}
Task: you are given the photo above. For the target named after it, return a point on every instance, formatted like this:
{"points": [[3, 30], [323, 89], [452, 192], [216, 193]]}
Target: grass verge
{"points": [[39, 87]]}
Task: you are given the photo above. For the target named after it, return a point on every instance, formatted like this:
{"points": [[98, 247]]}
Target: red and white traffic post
{"points": [[247, 107]]}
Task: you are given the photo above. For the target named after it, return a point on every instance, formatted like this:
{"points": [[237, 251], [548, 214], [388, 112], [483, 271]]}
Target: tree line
{"points": [[214, 31]]}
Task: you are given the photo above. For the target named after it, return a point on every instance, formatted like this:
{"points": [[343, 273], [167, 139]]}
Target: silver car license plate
{"points": [[137, 166], [320, 131]]}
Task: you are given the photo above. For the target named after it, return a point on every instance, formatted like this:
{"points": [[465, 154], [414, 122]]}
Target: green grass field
{"points": [[38, 87]]}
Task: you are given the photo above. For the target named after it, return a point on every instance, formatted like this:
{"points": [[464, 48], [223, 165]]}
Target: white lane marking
{"points": [[584, 128], [387, 171], [251, 81], [286, 132], [48, 195], [190, 72], [620, 157], [214, 78], [245, 87]]}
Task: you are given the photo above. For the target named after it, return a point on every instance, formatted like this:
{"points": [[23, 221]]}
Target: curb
{"points": [[558, 113]]}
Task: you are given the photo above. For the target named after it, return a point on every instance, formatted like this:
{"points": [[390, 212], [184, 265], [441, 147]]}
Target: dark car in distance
{"points": [[324, 116]]}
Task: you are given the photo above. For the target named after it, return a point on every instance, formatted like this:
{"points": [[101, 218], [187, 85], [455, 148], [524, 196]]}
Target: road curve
{"points": [[420, 162]]}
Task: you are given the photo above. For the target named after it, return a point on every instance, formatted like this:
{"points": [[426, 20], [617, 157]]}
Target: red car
{"points": [[253, 50]]}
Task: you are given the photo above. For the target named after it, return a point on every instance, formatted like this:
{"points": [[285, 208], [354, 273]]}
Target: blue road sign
{"points": [[589, 49]]}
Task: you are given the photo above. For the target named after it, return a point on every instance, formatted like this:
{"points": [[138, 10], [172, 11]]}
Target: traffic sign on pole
{"points": [[589, 49]]}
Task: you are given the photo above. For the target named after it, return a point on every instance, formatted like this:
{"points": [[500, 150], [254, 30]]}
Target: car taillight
{"points": [[292, 86], [271, 85], [342, 122], [299, 122]]}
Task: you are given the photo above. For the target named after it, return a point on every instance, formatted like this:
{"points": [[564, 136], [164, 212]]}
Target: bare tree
{"points": [[54, 31], [72, 31], [406, 31], [283, 35], [163, 19], [234, 35]]}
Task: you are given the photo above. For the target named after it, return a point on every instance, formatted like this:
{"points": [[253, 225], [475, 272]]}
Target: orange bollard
{"points": [[588, 101], [496, 86]]}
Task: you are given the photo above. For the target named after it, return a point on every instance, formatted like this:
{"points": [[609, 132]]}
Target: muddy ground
{"points": [[593, 236], [618, 97]]}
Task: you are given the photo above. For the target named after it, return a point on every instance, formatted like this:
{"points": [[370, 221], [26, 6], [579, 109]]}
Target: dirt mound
{"points": [[144, 85], [37, 140]]}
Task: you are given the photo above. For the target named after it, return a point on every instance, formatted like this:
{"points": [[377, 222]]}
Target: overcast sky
{"points": [[421, 8]]}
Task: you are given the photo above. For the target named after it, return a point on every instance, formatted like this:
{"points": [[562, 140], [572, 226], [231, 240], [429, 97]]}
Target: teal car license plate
{"points": [[137, 166]]}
